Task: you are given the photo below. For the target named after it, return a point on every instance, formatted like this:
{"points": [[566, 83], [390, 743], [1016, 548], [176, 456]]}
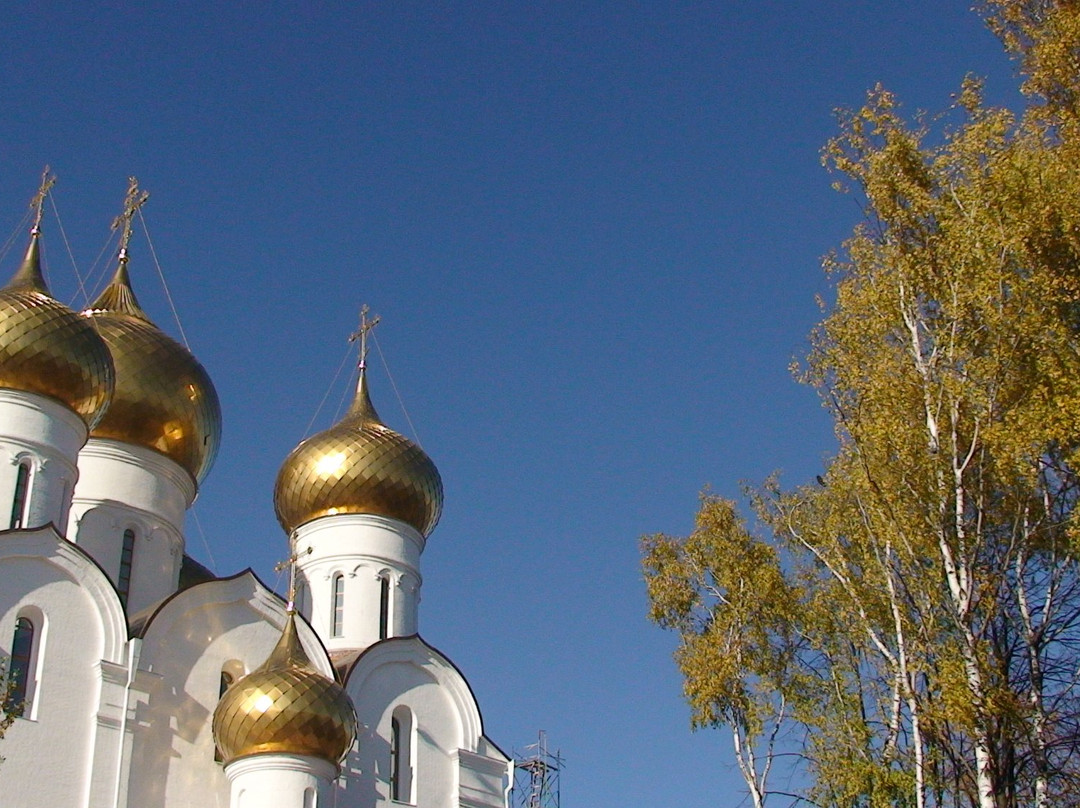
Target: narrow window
{"points": [[224, 683], [384, 607], [395, 758], [123, 580], [301, 598], [401, 755], [338, 621], [22, 488], [309, 797], [22, 656]]}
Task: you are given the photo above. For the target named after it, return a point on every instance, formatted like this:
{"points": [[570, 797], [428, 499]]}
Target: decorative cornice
{"points": [[345, 520], [47, 409], [15, 449], [251, 764]]}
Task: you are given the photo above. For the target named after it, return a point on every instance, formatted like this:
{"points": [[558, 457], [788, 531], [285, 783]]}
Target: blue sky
{"points": [[593, 231]]}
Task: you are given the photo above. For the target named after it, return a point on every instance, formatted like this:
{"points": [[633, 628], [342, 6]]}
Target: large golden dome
{"points": [[285, 707], [47, 348], [164, 400], [359, 465]]}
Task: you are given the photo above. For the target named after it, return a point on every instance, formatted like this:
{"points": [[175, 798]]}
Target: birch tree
{"points": [[919, 643]]}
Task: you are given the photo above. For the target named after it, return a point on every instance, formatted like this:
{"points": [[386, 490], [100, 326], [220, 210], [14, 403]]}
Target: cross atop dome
{"points": [[134, 200], [37, 204], [29, 273], [362, 332]]}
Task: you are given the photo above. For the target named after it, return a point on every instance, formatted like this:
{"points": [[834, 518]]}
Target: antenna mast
{"points": [[536, 776]]}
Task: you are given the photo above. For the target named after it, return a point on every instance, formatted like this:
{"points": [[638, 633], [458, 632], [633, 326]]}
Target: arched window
{"points": [[395, 758], [337, 620], [401, 755], [231, 671], [300, 601], [22, 491], [21, 670], [127, 552], [224, 683], [384, 607]]}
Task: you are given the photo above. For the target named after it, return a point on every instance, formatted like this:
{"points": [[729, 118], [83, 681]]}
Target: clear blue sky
{"points": [[593, 232]]}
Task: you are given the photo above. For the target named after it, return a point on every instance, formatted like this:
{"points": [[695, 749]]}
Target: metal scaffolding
{"points": [[536, 776]]}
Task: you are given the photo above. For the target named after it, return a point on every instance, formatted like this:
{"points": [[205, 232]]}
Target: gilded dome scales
{"points": [[359, 466], [45, 347], [164, 399]]}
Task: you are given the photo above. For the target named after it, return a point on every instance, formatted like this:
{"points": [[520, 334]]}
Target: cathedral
{"points": [[142, 680]]}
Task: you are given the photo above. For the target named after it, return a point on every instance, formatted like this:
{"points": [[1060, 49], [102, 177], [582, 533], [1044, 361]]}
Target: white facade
{"points": [[359, 578], [128, 656], [278, 779], [127, 491], [41, 440]]}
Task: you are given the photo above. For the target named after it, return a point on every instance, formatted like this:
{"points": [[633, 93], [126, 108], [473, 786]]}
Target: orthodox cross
{"points": [[290, 564], [361, 333], [134, 200], [37, 204]]}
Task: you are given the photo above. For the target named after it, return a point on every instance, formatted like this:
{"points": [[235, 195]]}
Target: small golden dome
{"points": [[359, 465], [164, 399], [285, 706], [47, 348]]}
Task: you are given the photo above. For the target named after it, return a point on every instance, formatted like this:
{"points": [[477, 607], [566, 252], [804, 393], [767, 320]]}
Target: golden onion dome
{"points": [[164, 399], [47, 348], [359, 465], [285, 706]]}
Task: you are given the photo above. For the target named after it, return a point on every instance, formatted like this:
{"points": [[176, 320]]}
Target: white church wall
{"points": [[126, 487], [46, 435], [121, 692], [363, 549], [157, 550], [231, 624], [446, 730], [436, 734], [278, 781], [113, 471], [482, 781], [79, 634]]}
